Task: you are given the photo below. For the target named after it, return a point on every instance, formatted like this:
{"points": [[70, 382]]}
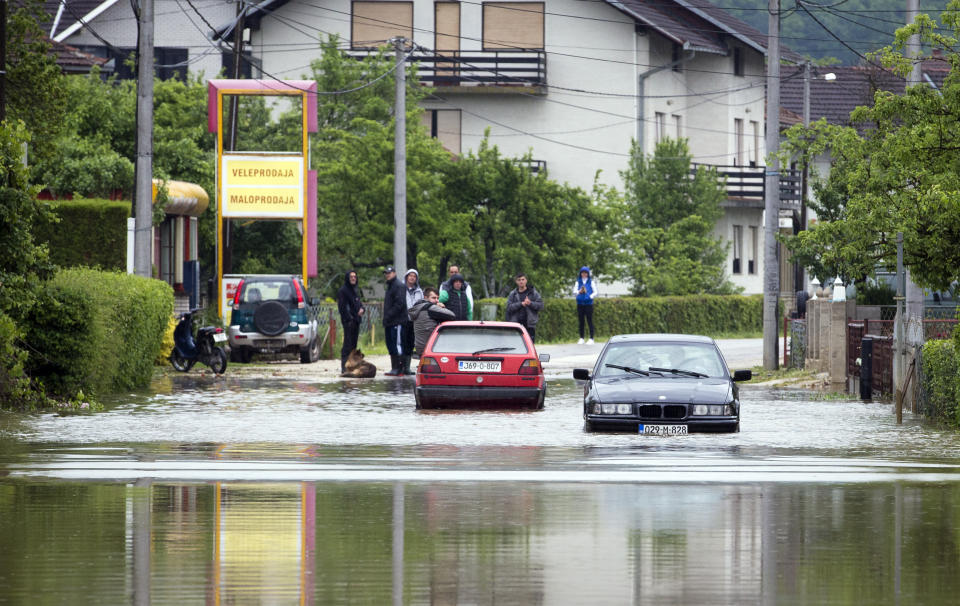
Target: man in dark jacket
{"points": [[456, 298], [351, 313], [394, 312], [425, 315], [524, 304]]}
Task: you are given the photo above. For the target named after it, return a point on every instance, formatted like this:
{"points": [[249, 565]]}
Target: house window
{"points": [[661, 119], [737, 248], [444, 125], [738, 141], [755, 153], [737, 62], [169, 62], [513, 25], [372, 24], [446, 26], [678, 126], [752, 251], [249, 67]]}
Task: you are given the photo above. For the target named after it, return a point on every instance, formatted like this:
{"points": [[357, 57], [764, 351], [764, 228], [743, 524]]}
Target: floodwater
{"points": [[208, 490]]}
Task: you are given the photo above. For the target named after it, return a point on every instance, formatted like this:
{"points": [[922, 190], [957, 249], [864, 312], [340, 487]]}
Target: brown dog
{"points": [[357, 367]]}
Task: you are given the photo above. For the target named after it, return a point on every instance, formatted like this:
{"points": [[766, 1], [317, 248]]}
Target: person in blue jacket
{"points": [[585, 290]]}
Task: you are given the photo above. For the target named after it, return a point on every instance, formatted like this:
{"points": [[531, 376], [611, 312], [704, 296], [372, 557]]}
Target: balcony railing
{"points": [[465, 69], [747, 183]]}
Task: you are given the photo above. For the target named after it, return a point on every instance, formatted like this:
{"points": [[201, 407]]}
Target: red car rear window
{"points": [[476, 339]]}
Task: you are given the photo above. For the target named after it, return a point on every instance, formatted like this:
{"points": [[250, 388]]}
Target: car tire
{"points": [[589, 427], [310, 353], [416, 398], [271, 318], [543, 397], [241, 355]]}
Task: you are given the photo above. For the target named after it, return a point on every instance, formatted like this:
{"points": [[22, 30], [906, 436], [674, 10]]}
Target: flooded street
{"points": [[269, 490]]}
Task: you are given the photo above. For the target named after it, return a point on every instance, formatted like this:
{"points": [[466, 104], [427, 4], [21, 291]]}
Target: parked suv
{"points": [[271, 314]]}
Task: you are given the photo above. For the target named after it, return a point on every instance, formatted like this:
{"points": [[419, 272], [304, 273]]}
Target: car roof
{"points": [[661, 337], [269, 277], [478, 323]]}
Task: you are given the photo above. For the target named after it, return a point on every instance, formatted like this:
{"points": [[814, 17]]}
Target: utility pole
{"points": [[143, 180], [400, 162], [227, 226], [771, 191]]}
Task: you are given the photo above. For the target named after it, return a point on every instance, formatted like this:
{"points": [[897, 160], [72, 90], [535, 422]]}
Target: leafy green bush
{"points": [[702, 314], [876, 294], [17, 390], [89, 220], [97, 332], [941, 380]]}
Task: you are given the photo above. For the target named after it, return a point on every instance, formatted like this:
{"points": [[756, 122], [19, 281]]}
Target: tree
{"points": [[900, 176], [523, 221], [354, 158], [670, 215], [34, 83]]}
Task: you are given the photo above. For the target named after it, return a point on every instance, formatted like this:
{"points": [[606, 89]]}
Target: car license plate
{"points": [[219, 337], [478, 365], [663, 430]]}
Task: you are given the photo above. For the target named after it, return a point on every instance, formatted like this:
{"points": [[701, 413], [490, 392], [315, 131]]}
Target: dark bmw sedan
{"points": [[661, 384]]}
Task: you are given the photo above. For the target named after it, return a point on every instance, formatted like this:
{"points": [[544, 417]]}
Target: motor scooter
{"points": [[187, 351]]}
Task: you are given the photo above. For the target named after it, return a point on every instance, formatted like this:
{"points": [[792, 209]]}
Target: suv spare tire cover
{"points": [[271, 318]]}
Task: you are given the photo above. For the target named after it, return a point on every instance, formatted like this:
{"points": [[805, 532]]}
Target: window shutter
{"points": [[513, 25], [373, 23]]}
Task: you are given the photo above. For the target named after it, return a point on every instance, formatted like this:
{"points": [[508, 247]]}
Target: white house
{"points": [[572, 81]]}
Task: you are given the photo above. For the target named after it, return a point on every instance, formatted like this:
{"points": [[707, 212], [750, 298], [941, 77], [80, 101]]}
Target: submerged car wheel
{"points": [[271, 318], [588, 426]]}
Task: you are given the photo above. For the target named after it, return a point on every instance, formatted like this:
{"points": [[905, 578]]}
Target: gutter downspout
{"points": [[641, 78]]}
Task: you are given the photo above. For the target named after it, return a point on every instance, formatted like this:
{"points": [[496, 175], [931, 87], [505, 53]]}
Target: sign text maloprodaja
{"points": [[262, 187]]}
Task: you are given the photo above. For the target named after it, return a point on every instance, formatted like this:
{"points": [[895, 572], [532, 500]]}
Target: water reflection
{"points": [[481, 543]]}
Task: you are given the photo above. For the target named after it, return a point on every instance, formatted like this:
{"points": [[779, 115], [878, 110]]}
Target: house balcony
{"points": [[746, 185], [480, 72]]}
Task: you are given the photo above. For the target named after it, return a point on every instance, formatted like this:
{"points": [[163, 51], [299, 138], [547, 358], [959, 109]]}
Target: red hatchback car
{"points": [[480, 364]]}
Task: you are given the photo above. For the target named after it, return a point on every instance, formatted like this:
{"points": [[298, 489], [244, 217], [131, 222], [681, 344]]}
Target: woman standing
{"points": [[351, 312], [585, 290]]}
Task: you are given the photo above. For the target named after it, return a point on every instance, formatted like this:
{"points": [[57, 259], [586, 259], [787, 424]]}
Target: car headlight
{"points": [[713, 410], [613, 409]]}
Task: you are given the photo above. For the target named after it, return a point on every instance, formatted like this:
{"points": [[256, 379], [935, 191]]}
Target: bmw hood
{"points": [[663, 390]]}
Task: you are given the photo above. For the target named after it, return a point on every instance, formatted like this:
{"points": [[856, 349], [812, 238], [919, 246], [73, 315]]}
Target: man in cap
{"points": [[394, 312]]}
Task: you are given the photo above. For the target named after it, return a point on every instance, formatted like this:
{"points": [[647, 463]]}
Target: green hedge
{"points": [[91, 233], [97, 331], [702, 314], [941, 381]]}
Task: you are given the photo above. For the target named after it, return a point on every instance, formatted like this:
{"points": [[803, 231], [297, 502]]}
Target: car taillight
{"points": [[296, 286], [236, 296], [218, 329], [529, 367], [429, 365]]}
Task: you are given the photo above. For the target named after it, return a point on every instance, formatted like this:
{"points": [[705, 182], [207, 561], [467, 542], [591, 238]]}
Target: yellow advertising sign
{"points": [[262, 187]]}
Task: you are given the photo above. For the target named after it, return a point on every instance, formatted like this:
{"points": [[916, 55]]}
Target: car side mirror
{"points": [[544, 357], [581, 374], [742, 375]]}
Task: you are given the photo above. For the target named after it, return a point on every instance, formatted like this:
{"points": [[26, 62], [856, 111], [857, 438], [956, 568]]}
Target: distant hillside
{"points": [[862, 25]]}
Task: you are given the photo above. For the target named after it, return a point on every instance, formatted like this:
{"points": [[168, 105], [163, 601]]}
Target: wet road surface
{"points": [[272, 490]]}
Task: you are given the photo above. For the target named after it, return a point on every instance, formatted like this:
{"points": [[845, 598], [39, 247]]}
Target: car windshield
{"points": [[702, 358], [475, 339], [267, 290]]}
